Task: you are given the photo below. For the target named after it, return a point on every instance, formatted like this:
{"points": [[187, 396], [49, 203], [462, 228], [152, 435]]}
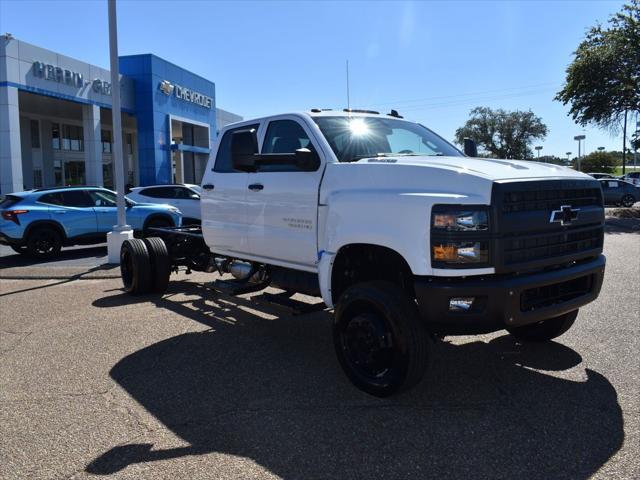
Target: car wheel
{"points": [[160, 263], [379, 338], [44, 242], [628, 200], [21, 249], [157, 222], [135, 267], [545, 330]]}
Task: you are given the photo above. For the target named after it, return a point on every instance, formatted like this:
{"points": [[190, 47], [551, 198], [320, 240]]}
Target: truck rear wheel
{"points": [[160, 264], [545, 330], [135, 267], [379, 338]]}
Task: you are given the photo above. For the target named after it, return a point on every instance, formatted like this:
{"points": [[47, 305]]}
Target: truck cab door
{"points": [[282, 200], [223, 200]]}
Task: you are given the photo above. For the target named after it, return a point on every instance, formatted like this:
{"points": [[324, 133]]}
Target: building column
{"points": [[27, 154], [92, 144], [46, 144], [10, 151]]}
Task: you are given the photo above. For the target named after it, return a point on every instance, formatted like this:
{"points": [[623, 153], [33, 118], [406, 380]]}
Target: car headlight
{"points": [[459, 236]]}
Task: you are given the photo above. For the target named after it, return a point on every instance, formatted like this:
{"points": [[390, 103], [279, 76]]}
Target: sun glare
{"points": [[358, 127]]}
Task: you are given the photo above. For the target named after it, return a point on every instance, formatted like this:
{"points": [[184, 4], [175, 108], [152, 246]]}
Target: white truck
{"points": [[406, 237]]}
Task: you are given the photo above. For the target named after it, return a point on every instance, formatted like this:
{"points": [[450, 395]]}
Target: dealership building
{"points": [[56, 120]]}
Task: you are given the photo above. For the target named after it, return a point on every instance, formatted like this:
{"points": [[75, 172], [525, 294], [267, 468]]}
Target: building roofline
{"points": [[167, 61]]}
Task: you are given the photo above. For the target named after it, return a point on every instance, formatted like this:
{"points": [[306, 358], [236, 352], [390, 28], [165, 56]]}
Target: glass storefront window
{"points": [[37, 178], [35, 133], [55, 136], [106, 141], [72, 138], [74, 172]]}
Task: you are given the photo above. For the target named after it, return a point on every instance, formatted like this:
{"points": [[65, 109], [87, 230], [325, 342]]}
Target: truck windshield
{"points": [[354, 138]]}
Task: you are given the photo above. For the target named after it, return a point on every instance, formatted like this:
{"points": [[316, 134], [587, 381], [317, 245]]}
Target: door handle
{"points": [[59, 211], [256, 187], [208, 186]]}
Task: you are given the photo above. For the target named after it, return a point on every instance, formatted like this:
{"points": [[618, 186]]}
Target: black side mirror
{"points": [[470, 148], [244, 146], [307, 160]]}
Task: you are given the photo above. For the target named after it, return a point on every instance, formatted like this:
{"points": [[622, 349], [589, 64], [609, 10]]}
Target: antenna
{"points": [[348, 98]]}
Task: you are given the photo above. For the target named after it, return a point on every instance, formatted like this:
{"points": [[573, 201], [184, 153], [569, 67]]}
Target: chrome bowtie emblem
{"points": [[564, 216], [166, 87]]}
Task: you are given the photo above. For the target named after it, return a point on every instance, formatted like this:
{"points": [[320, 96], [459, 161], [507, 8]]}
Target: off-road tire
{"points": [[135, 267], [545, 330], [160, 264], [380, 340]]}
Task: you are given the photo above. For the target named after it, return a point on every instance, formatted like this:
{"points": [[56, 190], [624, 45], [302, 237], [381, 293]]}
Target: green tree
{"points": [[603, 81], [600, 162], [502, 134]]}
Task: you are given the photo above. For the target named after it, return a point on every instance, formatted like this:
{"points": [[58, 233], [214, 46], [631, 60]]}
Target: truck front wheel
{"points": [[379, 338], [545, 330]]}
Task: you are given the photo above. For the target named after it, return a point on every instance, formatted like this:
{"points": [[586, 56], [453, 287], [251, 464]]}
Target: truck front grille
{"points": [[532, 200], [549, 245], [528, 237]]}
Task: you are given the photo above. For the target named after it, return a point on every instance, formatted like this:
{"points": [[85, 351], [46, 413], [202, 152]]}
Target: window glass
{"points": [[223, 158], [284, 136], [183, 193], [102, 198], [35, 133], [129, 138], [105, 137], [76, 198], [157, 192], [72, 138], [354, 138], [51, 198], [55, 136]]}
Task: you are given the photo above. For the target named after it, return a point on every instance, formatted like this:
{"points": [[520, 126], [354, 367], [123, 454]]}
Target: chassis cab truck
{"points": [[404, 236]]}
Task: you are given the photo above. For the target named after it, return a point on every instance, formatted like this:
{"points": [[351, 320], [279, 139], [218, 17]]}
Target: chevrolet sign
{"points": [[185, 94]]}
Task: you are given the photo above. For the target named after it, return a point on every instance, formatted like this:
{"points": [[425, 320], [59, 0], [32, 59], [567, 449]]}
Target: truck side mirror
{"points": [[307, 160], [244, 147], [470, 148]]}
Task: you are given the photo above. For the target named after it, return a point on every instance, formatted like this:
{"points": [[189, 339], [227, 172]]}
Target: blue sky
{"points": [[432, 61]]}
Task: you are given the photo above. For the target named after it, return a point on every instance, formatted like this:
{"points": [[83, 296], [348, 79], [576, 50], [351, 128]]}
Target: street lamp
{"points": [[538, 148], [601, 149], [579, 139], [121, 231], [569, 158]]}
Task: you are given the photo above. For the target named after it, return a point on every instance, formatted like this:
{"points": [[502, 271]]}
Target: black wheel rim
{"points": [[126, 268], [45, 243], [368, 345], [628, 201]]}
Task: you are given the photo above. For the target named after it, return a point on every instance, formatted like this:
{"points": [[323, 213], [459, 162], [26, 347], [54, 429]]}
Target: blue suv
{"points": [[40, 222]]}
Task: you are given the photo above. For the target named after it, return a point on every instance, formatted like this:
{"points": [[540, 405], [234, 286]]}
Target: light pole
{"points": [[568, 158], [579, 139], [538, 148], [121, 231], [601, 149]]}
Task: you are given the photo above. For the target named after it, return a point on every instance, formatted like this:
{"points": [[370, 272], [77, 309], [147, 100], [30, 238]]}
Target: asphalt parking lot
{"points": [[193, 385]]}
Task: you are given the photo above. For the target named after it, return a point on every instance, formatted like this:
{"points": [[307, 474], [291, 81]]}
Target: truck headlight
{"points": [[460, 236], [459, 252], [460, 220]]}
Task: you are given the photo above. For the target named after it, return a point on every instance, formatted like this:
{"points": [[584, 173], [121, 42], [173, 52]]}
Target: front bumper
{"points": [[507, 300]]}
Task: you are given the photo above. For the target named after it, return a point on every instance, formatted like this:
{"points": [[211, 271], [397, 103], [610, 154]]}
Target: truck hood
{"points": [[487, 168]]}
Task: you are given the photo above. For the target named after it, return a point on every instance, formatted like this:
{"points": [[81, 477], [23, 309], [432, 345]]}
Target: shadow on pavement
{"points": [[86, 254], [272, 391]]}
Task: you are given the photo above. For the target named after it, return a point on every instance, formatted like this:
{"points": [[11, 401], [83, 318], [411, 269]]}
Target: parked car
{"points": [[40, 222], [632, 177], [185, 197], [598, 176], [619, 192]]}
